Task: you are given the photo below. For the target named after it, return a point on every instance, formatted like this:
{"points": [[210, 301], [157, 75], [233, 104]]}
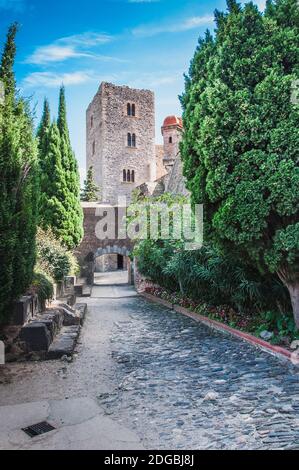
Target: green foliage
{"points": [[43, 132], [70, 169], [60, 207], [54, 259], [19, 186], [207, 276], [282, 326], [91, 190], [42, 285], [241, 140]]}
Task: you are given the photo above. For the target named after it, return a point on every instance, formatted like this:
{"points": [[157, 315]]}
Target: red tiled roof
{"points": [[173, 121]]}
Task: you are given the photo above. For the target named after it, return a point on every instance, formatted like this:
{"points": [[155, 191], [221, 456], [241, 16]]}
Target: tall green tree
{"points": [[60, 207], [18, 185], [90, 191], [240, 149], [55, 197], [70, 167], [44, 130]]}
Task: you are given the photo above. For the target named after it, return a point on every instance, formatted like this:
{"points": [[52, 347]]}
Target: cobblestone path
{"points": [[180, 385], [172, 382]]}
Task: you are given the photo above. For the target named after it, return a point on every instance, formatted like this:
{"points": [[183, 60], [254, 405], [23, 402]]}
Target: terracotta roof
{"points": [[173, 121]]}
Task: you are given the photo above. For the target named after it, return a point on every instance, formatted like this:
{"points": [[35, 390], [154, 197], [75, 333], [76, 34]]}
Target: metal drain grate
{"points": [[38, 429]]}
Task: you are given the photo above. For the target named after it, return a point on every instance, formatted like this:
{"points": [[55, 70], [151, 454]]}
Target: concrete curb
{"points": [[277, 351]]}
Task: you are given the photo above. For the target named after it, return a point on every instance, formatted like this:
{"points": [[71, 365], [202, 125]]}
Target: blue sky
{"points": [[140, 43]]}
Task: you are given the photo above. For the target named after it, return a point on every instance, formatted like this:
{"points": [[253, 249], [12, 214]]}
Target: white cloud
{"points": [[16, 5], [88, 39], [53, 53], [50, 80], [185, 25], [69, 47]]}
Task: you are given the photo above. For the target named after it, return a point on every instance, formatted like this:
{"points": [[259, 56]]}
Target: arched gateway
{"points": [[100, 253]]}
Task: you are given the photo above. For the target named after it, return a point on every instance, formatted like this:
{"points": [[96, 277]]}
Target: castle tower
{"points": [[172, 135], [121, 140]]}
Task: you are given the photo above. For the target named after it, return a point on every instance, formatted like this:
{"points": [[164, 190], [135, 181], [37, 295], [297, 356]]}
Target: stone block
{"points": [[37, 336], [53, 319], [65, 343], [71, 300], [69, 285], [70, 316], [82, 309], [79, 290], [22, 311]]}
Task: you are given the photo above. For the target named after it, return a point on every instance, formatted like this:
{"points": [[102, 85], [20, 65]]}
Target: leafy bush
{"points": [[54, 259], [283, 326], [208, 276], [42, 285], [219, 279]]}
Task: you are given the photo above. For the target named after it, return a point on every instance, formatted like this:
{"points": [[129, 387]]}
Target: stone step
{"points": [[82, 309], [65, 342], [86, 291]]}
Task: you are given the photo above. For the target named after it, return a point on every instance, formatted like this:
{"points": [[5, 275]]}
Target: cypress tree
{"points": [[18, 186], [90, 190], [43, 130], [53, 207], [74, 221]]}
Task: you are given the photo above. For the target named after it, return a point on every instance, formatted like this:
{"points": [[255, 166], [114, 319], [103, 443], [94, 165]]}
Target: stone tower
{"points": [[121, 140], [172, 135]]}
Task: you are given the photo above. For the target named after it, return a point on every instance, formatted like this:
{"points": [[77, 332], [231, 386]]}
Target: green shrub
{"points": [[42, 285], [54, 259], [283, 326]]}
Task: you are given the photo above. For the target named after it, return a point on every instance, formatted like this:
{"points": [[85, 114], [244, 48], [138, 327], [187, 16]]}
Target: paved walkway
{"points": [[148, 377]]}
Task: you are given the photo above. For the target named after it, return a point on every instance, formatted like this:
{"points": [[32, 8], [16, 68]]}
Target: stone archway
{"points": [[112, 259], [92, 247], [112, 250]]}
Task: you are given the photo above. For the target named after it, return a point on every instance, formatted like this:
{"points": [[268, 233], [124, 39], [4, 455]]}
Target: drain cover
{"points": [[38, 429]]}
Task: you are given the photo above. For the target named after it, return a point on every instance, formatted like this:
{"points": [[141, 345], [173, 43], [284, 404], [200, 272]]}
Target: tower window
{"points": [[93, 147], [170, 140], [91, 122], [129, 176], [131, 109], [129, 140], [133, 140]]}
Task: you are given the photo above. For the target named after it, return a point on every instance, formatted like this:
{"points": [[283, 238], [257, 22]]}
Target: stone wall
{"points": [[108, 152], [171, 149], [109, 263], [91, 245], [161, 171], [175, 182]]}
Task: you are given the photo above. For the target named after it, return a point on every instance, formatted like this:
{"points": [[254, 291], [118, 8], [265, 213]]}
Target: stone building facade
{"points": [[121, 140]]}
